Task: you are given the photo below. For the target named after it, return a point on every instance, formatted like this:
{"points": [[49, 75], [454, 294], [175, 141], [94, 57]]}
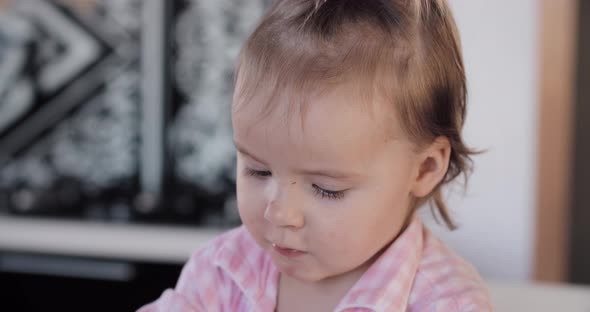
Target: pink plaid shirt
{"points": [[416, 273]]}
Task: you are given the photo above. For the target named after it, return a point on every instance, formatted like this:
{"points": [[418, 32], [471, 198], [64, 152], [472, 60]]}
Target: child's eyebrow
{"points": [[243, 151], [334, 174]]}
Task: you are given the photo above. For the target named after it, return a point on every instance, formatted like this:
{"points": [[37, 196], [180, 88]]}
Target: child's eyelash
{"points": [[328, 194], [323, 193], [258, 173]]}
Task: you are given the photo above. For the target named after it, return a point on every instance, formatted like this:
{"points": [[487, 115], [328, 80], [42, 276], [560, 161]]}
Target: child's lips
{"points": [[287, 252]]}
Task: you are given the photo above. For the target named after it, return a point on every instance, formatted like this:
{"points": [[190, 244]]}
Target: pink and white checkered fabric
{"points": [[416, 273]]}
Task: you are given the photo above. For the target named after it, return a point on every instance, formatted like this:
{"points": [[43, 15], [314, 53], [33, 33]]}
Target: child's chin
{"points": [[292, 272], [299, 274]]}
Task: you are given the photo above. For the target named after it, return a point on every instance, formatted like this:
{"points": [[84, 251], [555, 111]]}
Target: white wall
{"points": [[496, 216]]}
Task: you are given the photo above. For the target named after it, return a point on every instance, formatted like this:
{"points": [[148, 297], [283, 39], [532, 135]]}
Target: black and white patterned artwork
{"points": [[118, 110], [206, 38]]}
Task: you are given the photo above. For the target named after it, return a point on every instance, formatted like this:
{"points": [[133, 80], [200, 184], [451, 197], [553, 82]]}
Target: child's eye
{"points": [[323, 193], [258, 173]]}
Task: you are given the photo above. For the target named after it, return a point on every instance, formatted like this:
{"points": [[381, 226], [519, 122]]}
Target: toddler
{"points": [[347, 118]]}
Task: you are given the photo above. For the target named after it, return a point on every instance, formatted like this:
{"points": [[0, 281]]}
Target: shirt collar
{"points": [[387, 283], [385, 286]]}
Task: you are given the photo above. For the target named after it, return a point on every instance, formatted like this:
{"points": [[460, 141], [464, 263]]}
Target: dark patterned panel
{"points": [[78, 122], [206, 38]]}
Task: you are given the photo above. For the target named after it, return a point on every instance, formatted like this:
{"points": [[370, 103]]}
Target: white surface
{"points": [[497, 215], [114, 241], [539, 297]]}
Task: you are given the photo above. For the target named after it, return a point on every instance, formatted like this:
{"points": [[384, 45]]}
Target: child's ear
{"points": [[432, 167]]}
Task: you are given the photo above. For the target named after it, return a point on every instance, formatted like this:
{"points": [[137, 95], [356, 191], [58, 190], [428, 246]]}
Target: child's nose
{"points": [[284, 209]]}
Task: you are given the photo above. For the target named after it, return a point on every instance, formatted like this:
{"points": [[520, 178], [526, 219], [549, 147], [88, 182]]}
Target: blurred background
{"points": [[116, 157]]}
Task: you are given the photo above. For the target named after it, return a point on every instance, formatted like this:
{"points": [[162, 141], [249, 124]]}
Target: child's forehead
{"points": [[327, 111]]}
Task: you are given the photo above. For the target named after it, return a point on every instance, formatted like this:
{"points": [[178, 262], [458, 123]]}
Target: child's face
{"points": [[337, 189]]}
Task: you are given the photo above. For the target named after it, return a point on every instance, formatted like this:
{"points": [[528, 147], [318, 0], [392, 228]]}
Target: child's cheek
{"points": [[250, 201]]}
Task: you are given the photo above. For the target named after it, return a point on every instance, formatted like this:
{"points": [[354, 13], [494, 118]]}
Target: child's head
{"points": [[347, 116]]}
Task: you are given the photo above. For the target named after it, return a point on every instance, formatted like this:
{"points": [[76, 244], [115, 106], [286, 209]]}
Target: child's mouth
{"points": [[287, 252]]}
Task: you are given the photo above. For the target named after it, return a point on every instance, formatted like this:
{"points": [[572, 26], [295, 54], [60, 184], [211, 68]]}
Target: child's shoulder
{"points": [[436, 255], [232, 256], [228, 269], [444, 279]]}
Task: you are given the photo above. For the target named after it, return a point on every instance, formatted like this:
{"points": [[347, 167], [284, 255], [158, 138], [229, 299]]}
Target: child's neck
{"points": [[295, 295], [324, 295]]}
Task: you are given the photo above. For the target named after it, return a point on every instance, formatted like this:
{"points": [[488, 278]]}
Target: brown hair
{"points": [[407, 50]]}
